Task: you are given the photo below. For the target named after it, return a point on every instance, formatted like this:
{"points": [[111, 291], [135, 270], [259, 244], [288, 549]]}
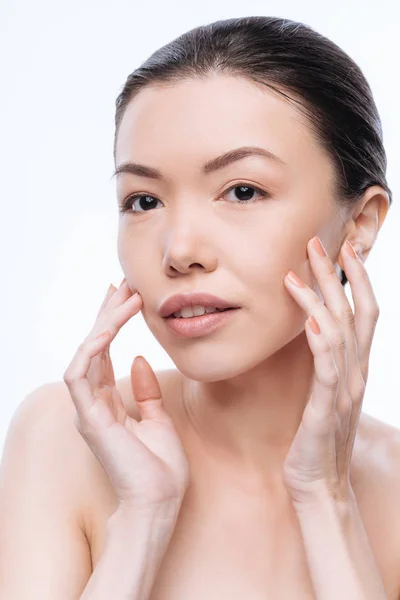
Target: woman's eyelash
{"points": [[126, 204]]}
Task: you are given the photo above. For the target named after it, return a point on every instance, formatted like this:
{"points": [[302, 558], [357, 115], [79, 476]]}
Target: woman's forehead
{"points": [[208, 117]]}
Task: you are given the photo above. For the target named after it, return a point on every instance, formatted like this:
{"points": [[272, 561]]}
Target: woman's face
{"points": [[194, 235]]}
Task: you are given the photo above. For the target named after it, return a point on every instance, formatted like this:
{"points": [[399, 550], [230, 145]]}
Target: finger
{"points": [[120, 315], [119, 406], [75, 375], [109, 407], [312, 304], [100, 370], [326, 378], [122, 294], [366, 314], [339, 307], [146, 391], [336, 302], [366, 309], [321, 414], [115, 297], [108, 295], [116, 314]]}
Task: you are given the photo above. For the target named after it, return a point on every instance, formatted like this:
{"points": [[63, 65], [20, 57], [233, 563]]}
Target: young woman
{"points": [[251, 186]]}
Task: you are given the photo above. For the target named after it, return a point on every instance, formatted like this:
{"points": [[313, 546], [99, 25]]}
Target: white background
{"points": [[62, 67]]}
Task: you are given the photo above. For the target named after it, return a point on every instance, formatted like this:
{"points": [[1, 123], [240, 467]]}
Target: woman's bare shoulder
{"points": [[376, 458], [373, 431], [376, 464]]}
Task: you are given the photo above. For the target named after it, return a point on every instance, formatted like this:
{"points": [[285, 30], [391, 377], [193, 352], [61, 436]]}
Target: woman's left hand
{"points": [[320, 455]]}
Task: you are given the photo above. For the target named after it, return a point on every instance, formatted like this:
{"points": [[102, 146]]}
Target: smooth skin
{"points": [[340, 341], [246, 386], [144, 460], [243, 389]]}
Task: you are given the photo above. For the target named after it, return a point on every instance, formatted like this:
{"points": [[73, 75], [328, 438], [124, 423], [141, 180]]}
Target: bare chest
{"points": [[234, 553], [225, 550], [229, 547]]}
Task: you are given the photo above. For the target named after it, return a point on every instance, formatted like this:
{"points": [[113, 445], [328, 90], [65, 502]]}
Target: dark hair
{"points": [[287, 56]]}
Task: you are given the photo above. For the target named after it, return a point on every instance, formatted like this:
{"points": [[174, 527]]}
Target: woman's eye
{"points": [[244, 193], [144, 202], [145, 205]]}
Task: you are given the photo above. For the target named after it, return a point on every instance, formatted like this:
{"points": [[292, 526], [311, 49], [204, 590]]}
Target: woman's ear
{"points": [[366, 220]]}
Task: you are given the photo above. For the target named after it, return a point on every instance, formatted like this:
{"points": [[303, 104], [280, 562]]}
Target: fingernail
{"points": [[314, 325], [135, 295], [122, 282], [350, 250], [294, 279], [317, 244]]}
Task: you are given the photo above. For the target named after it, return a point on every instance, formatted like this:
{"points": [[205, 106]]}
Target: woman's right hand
{"points": [[144, 460]]}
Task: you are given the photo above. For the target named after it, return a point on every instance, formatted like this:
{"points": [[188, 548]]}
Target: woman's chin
{"points": [[208, 369]]}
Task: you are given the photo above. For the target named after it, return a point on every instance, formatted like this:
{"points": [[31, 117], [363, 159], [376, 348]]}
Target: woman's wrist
{"points": [[155, 521], [136, 542], [161, 513]]}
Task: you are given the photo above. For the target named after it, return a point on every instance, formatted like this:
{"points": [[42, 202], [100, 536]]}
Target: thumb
{"points": [[146, 391]]}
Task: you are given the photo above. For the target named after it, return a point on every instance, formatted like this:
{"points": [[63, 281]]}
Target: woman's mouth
{"points": [[190, 325]]}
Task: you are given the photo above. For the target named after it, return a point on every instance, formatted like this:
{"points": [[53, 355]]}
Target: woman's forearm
{"points": [[339, 556], [135, 546]]}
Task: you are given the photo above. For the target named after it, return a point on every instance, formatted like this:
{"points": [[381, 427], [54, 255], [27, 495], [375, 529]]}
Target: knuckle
{"points": [[67, 377], [331, 270], [82, 346], [374, 312], [326, 348], [357, 388], [70, 375], [83, 425], [347, 317], [359, 395], [329, 378], [315, 304], [338, 340]]}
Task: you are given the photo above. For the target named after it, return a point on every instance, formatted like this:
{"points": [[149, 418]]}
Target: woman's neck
{"points": [[247, 423]]}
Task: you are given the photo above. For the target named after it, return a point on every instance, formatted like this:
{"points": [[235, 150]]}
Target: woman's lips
{"points": [[192, 327]]}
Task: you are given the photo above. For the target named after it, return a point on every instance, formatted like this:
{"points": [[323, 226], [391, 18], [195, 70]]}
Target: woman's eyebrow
{"points": [[213, 165]]}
